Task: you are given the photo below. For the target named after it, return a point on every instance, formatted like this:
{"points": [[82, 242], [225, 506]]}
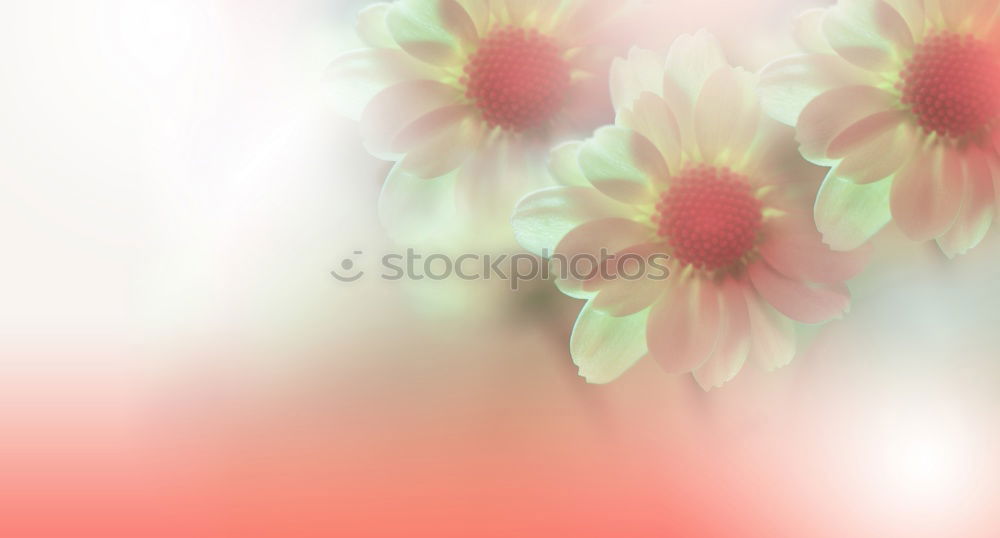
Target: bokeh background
{"points": [[176, 361]]}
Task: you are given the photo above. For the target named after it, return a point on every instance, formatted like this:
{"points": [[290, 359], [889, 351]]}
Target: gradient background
{"points": [[176, 361]]}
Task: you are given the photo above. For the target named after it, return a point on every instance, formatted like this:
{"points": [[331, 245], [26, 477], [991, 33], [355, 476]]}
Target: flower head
{"points": [[901, 98], [468, 97], [694, 171]]}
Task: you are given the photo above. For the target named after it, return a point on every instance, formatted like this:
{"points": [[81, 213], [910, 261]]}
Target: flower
{"points": [[901, 98], [693, 170], [469, 96]]}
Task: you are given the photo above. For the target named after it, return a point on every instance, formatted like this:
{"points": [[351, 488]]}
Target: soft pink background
{"points": [[175, 360]]}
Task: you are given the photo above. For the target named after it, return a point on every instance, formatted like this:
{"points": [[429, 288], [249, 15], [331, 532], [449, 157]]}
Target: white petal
{"points": [[355, 77], [913, 13], [733, 346], [863, 132], [432, 124], [773, 157], [447, 147], [727, 114], [564, 165], [848, 214], [927, 194], [479, 179], [585, 107], [691, 60], [394, 109], [435, 31], [641, 72], [585, 18], [580, 251], [650, 116], [372, 28], [523, 12], [809, 32], [832, 113], [413, 209], [994, 163], [794, 247], [978, 207], [543, 218], [772, 335], [868, 33], [604, 346], [623, 164], [479, 12], [495, 177], [967, 15], [801, 301], [789, 84], [630, 283], [684, 326]]}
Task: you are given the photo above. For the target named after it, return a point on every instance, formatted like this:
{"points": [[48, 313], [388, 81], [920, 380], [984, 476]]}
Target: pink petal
{"points": [[799, 300], [927, 194], [685, 324], [734, 339], [880, 156], [795, 248]]}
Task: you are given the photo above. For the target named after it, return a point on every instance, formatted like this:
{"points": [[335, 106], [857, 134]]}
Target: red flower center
{"points": [[952, 85], [517, 78], [709, 217]]}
